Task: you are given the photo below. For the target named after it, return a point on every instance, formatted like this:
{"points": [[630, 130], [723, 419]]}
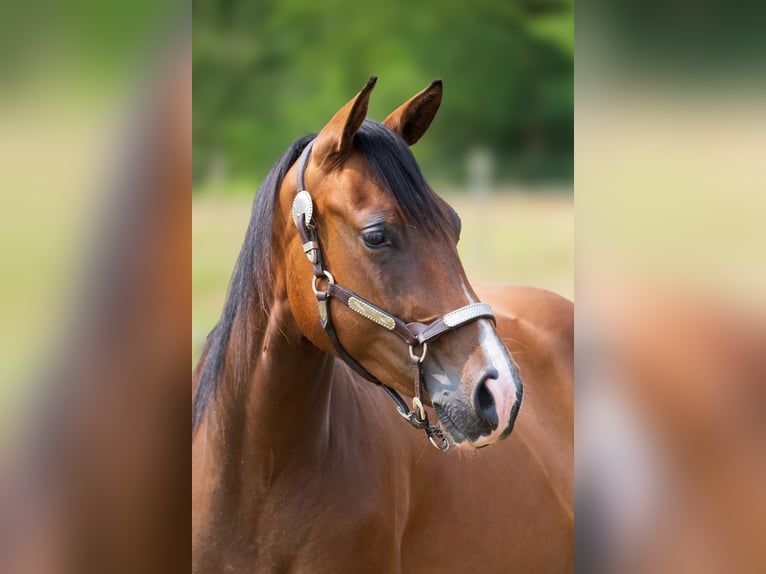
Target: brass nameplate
{"points": [[371, 313]]}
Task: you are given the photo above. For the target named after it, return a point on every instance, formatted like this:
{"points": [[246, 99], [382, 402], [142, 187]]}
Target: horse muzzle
{"points": [[478, 406]]}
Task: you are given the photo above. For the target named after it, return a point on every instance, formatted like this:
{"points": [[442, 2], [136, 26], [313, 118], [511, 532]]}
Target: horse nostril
{"points": [[483, 401]]}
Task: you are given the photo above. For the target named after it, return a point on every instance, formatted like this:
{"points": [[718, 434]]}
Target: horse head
{"points": [[381, 233]]}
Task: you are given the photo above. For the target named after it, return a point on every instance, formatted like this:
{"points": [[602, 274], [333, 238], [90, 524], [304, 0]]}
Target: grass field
{"points": [[508, 237]]}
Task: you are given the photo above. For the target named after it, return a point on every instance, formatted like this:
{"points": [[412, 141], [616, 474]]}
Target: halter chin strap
{"points": [[416, 335]]}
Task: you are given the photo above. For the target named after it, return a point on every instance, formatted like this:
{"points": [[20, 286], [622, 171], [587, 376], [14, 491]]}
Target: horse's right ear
{"points": [[334, 141], [411, 119]]}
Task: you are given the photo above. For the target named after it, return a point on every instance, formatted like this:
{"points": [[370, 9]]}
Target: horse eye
{"points": [[375, 238]]}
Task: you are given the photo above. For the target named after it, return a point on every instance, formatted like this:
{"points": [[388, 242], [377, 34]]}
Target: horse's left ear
{"points": [[411, 119]]}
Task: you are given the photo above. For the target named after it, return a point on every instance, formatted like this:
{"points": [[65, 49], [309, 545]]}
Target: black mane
{"points": [[395, 170]]}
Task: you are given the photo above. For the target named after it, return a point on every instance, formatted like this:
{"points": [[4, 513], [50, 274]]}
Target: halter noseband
{"points": [[416, 335]]}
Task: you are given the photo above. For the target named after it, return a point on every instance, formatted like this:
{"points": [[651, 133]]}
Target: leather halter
{"points": [[416, 335]]}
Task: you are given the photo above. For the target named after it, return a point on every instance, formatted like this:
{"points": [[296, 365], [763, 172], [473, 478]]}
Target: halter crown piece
{"points": [[416, 335]]}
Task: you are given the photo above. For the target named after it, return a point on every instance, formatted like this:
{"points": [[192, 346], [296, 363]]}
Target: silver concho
{"points": [[302, 205]]}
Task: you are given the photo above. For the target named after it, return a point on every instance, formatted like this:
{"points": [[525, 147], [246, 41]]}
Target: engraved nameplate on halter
{"points": [[302, 205], [467, 313], [371, 313]]}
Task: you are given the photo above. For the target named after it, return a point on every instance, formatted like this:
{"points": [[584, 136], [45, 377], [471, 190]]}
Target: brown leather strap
{"points": [[451, 321], [371, 312], [308, 236], [306, 231], [301, 164], [413, 334]]}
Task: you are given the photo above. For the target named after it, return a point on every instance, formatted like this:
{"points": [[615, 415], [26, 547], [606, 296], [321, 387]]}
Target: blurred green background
{"points": [[268, 72], [500, 149], [73, 79]]}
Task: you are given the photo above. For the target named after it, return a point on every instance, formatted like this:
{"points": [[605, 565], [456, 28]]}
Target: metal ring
{"points": [[421, 358], [444, 446], [330, 280], [417, 407]]}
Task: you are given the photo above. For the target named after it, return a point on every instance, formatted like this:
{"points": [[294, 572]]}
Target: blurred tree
{"points": [[267, 72]]}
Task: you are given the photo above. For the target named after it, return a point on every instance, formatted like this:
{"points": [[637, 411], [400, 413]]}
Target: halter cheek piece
{"points": [[416, 335]]}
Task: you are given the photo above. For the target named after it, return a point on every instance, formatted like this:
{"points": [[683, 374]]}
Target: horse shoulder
{"points": [[537, 326], [534, 320]]}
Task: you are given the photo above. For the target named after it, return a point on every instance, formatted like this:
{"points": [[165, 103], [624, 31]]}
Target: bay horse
{"points": [[348, 293]]}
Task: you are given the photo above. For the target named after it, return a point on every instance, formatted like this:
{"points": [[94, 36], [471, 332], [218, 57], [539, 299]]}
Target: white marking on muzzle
{"points": [[504, 388]]}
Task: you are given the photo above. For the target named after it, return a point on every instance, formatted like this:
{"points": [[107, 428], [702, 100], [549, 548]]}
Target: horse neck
{"points": [[289, 391], [278, 414]]}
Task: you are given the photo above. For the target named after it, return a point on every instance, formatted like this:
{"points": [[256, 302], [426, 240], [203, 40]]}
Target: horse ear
{"points": [[411, 119], [334, 141]]}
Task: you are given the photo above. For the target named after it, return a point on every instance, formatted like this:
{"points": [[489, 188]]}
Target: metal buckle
{"points": [[404, 413], [311, 248], [418, 409]]}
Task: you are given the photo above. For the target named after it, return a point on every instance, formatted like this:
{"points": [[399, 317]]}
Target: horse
{"points": [[347, 294]]}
